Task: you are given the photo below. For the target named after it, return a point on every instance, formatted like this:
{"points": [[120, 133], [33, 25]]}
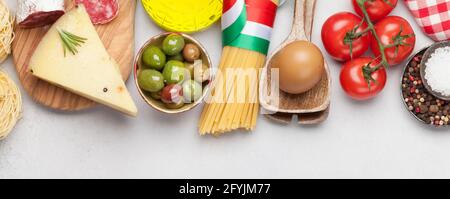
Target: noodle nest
{"points": [[6, 31], [10, 98], [10, 105]]}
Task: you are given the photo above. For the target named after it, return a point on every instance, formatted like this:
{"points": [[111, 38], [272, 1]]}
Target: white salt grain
{"points": [[437, 72]]}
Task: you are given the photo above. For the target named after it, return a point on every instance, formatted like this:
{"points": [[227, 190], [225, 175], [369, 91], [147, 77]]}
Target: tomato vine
{"points": [[398, 41]]}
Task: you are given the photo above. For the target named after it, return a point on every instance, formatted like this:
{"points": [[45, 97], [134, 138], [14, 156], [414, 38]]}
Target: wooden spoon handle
{"points": [[309, 17], [298, 27]]}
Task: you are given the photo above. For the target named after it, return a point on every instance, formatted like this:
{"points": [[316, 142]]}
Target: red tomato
{"points": [[334, 33], [377, 9], [388, 30], [354, 83]]}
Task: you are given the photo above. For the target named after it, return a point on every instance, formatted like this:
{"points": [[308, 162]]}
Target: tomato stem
{"points": [[387, 2], [371, 26], [367, 70], [360, 34], [354, 34]]}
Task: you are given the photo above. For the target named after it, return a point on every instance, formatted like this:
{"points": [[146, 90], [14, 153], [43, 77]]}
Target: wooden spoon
{"points": [[311, 107]]}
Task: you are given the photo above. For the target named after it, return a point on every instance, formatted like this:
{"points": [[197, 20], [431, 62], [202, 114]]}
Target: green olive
{"points": [[191, 52], [173, 44], [192, 91], [174, 72], [201, 72], [177, 57], [154, 58], [175, 105], [151, 80], [156, 95]]}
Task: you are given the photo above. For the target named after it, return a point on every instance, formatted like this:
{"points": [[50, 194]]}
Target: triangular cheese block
{"points": [[91, 72]]}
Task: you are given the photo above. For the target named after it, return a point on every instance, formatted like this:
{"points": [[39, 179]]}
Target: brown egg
{"points": [[301, 66]]}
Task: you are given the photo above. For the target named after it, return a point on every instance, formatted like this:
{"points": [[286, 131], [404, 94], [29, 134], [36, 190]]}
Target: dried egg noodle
{"points": [[10, 105], [6, 31]]}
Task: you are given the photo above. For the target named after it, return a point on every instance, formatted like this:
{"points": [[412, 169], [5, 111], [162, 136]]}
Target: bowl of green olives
{"points": [[173, 72]]}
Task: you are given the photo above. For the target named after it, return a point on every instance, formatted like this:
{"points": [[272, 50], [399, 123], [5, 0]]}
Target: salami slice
{"points": [[100, 11], [37, 13]]}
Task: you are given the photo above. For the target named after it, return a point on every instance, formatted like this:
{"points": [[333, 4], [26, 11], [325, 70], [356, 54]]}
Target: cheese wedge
{"points": [[91, 72]]}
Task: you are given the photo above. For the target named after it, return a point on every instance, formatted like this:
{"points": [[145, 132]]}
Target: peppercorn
{"points": [[419, 101], [417, 58], [434, 108]]}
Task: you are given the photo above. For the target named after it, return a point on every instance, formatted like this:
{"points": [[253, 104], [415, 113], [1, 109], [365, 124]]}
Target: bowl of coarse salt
{"points": [[435, 70]]}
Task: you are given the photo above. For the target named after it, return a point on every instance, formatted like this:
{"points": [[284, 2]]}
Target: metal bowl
{"points": [[157, 104], [422, 51], [423, 67], [401, 83]]}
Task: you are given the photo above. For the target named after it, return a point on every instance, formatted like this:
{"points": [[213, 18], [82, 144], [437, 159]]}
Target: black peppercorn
{"points": [[418, 100]]}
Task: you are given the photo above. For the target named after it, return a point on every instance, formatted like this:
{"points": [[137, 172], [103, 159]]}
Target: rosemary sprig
{"points": [[71, 41]]}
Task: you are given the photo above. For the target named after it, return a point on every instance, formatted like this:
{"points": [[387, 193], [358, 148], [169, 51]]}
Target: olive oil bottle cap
{"points": [[186, 16]]}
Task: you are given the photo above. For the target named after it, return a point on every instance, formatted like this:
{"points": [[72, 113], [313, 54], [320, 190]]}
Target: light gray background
{"points": [[375, 139]]}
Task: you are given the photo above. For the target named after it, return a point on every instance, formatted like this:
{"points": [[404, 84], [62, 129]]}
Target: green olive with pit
{"points": [[174, 72], [154, 58], [151, 80], [173, 44]]}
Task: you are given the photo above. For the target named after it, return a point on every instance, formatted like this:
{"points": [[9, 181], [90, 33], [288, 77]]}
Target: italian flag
{"points": [[248, 24]]}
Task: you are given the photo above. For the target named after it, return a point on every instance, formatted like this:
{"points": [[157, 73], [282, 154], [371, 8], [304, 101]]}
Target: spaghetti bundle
{"points": [[233, 103], [6, 31], [10, 105]]}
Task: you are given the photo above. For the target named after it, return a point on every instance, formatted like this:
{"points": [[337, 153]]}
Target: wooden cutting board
{"points": [[117, 36]]}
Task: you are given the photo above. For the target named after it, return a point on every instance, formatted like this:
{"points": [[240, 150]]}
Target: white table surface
{"points": [[374, 139]]}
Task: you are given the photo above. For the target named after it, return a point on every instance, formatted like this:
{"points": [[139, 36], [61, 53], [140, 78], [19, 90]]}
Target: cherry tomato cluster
{"points": [[347, 37]]}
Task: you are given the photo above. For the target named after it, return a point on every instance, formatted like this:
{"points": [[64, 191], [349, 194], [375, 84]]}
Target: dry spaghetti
{"points": [[10, 105], [227, 112], [246, 26], [6, 31]]}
